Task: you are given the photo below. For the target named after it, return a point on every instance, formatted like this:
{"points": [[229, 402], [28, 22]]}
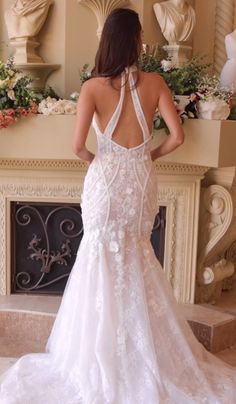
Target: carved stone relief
{"points": [[217, 229], [102, 8]]}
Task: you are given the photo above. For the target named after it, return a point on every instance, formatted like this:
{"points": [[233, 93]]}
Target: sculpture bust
{"points": [[176, 18], [25, 18]]}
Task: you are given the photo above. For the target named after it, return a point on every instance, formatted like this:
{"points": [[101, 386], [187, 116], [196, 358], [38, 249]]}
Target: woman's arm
{"points": [[85, 111], [169, 114]]}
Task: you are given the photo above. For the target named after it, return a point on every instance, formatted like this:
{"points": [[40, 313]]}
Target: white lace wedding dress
{"points": [[119, 336]]}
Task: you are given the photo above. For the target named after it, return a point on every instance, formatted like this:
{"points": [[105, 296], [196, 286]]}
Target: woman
{"points": [[119, 337]]}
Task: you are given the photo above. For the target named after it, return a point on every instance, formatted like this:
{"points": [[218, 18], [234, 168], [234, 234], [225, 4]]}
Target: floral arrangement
{"points": [[210, 101], [196, 94], [209, 87], [189, 84], [53, 106], [16, 98], [182, 80]]}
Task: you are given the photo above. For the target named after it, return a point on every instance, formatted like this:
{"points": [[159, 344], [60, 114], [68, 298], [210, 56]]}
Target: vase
{"points": [[213, 108]]}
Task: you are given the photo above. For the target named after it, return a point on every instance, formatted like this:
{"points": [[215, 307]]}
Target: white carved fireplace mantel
{"points": [[37, 164]]}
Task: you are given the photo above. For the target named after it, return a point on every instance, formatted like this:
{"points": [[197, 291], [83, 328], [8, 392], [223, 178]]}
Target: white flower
{"points": [[44, 110], [61, 103], [57, 109], [11, 73], [46, 105], [121, 234], [129, 191], [70, 108], [118, 258], [51, 106], [74, 96], [114, 246], [132, 212], [11, 95], [166, 65]]}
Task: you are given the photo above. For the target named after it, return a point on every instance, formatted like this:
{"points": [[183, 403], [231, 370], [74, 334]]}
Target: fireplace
{"points": [[59, 183], [47, 171], [44, 241]]}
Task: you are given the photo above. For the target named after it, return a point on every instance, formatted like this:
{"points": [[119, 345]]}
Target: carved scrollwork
{"points": [[102, 8], [216, 214]]}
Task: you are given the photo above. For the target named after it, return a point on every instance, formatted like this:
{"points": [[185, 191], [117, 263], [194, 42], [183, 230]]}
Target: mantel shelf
{"points": [[207, 143]]}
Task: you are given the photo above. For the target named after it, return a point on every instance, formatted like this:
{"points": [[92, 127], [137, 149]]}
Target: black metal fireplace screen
{"points": [[44, 241]]}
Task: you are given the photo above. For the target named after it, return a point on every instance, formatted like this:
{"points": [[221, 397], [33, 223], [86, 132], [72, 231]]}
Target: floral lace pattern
{"points": [[119, 336]]}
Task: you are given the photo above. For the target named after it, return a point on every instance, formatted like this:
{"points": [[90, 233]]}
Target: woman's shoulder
{"points": [[151, 78], [93, 84]]}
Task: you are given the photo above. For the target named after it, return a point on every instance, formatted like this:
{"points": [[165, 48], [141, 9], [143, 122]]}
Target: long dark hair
{"points": [[120, 43]]}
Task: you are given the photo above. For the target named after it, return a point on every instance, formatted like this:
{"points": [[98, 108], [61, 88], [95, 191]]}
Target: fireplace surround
{"points": [[46, 171]]}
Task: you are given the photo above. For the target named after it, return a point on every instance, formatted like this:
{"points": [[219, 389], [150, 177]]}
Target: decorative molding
{"points": [[224, 24], [101, 9], [175, 168], [37, 164], [41, 164], [181, 197]]}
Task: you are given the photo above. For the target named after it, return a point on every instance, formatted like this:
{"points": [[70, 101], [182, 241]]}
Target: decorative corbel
{"points": [[216, 215], [101, 9]]}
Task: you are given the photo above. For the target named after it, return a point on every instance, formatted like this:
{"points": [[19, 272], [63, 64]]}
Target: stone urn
{"points": [[213, 108]]}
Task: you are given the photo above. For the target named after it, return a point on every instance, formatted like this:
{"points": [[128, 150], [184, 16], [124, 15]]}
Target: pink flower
{"points": [[10, 112], [7, 117]]}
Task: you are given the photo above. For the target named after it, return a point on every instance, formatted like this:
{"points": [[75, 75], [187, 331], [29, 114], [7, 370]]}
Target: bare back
{"points": [[128, 132]]}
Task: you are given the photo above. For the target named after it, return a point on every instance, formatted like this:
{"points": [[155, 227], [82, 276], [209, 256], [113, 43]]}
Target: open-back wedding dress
{"points": [[119, 336]]}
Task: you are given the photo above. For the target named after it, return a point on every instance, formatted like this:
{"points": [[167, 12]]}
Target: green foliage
{"points": [[150, 59], [85, 73], [185, 80], [46, 92], [14, 87], [181, 80]]}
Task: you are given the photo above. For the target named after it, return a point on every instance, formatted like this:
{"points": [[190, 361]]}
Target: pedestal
{"points": [[179, 54], [25, 50], [38, 71]]}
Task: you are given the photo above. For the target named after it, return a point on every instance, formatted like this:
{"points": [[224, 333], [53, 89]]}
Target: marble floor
{"points": [[50, 305], [40, 304], [29, 304]]}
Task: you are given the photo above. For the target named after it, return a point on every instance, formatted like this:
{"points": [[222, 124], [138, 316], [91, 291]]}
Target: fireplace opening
{"points": [[44, 241]]}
